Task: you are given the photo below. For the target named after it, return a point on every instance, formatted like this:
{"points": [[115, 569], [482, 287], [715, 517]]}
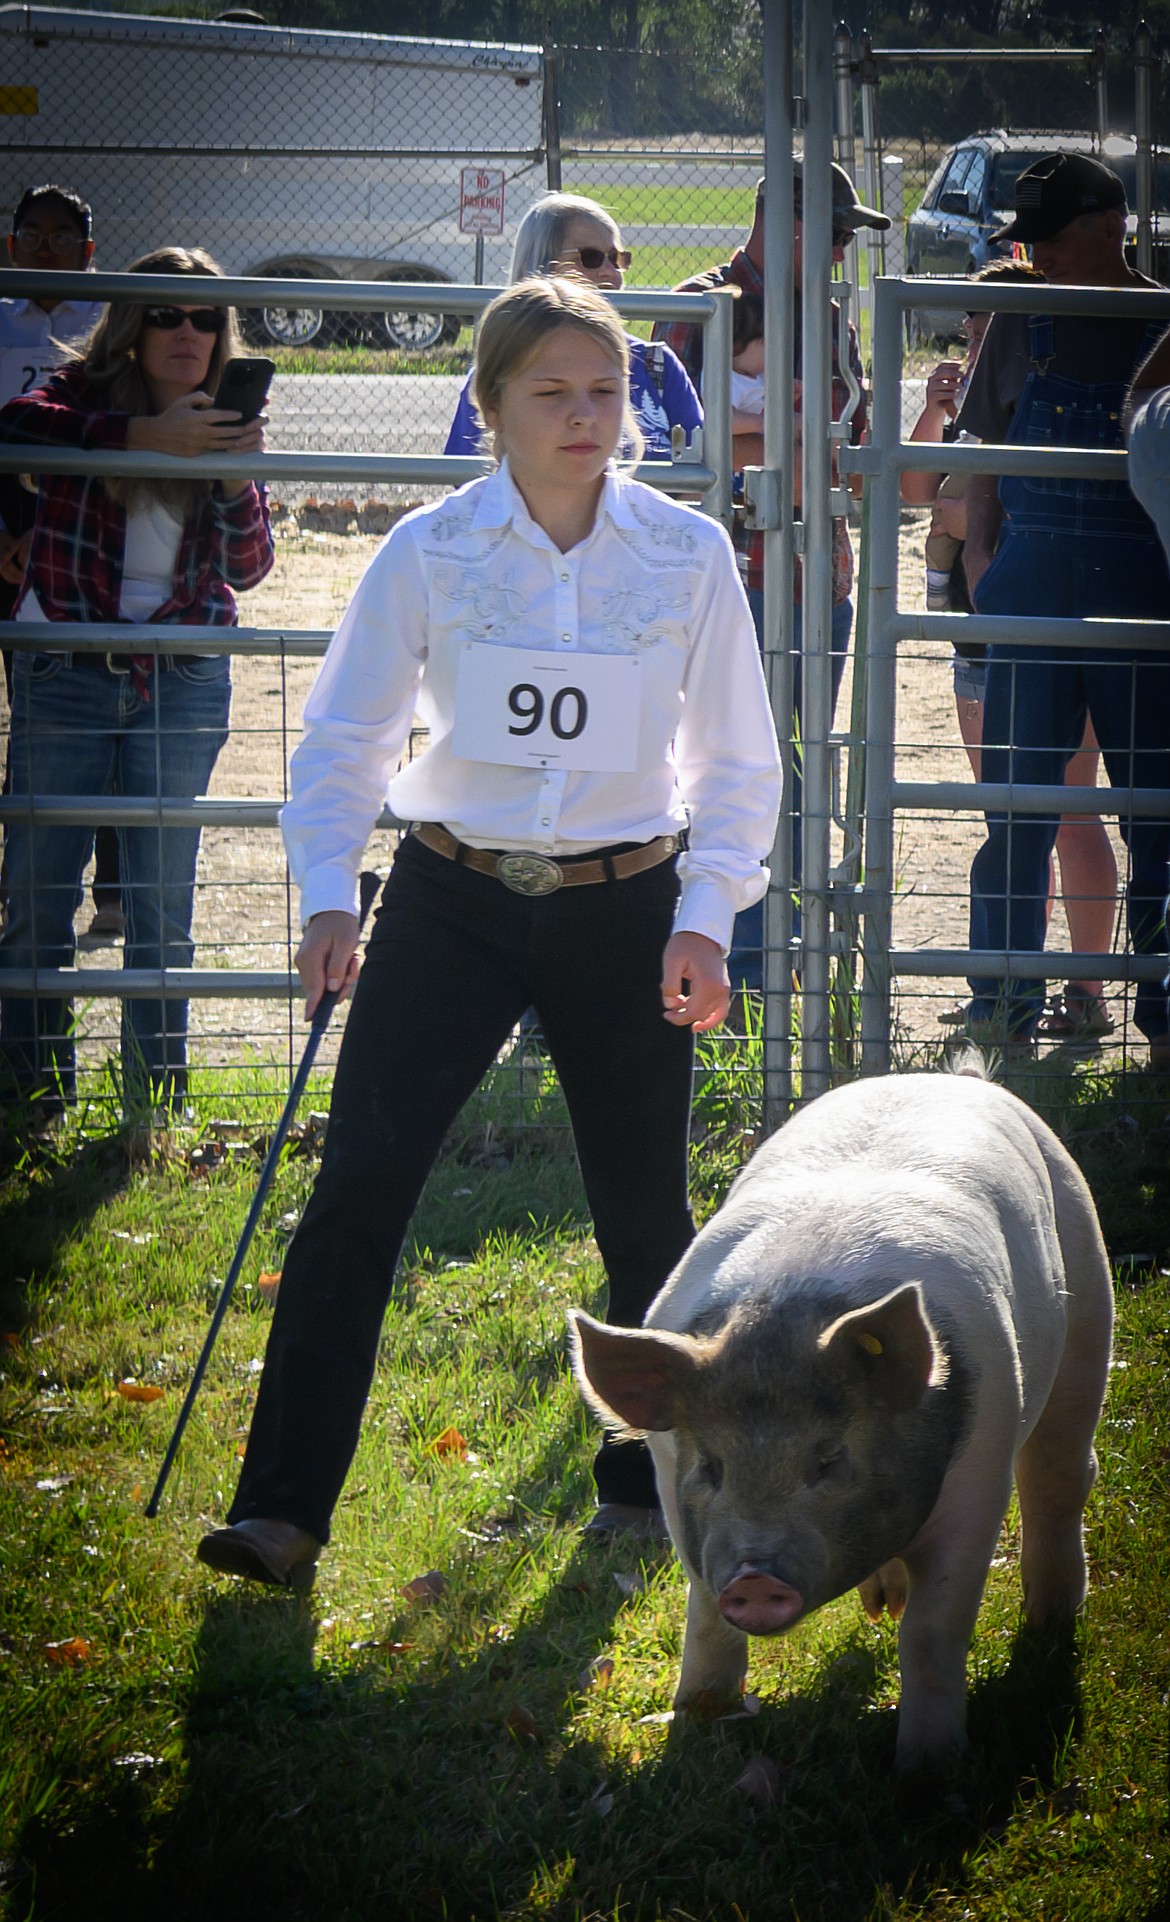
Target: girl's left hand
{"points": [[696, 992]]}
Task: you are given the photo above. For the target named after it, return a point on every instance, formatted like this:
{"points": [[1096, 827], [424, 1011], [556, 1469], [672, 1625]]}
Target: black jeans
{"points": [[453, 960]]}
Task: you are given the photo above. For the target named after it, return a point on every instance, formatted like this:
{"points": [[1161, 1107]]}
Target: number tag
{"points": [[23, 368], [517, 707]]}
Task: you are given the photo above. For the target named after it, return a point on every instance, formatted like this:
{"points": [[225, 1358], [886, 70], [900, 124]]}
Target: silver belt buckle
{"points": [[529, 873]]}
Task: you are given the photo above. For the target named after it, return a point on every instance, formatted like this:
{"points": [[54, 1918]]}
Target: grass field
{"points": [[176, 1745]]}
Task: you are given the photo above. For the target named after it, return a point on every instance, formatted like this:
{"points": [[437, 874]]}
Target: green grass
{"points": [[353, 1756]]}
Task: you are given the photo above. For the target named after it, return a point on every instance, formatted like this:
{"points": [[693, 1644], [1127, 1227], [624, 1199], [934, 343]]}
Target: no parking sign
{"points": [[481, 200]]}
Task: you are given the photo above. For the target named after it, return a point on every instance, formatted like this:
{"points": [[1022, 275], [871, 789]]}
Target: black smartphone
{"points": [[243, 385]]}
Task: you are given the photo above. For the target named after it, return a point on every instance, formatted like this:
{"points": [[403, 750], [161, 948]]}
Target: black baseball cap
{"points": [[848, 209], [1054, 190]]}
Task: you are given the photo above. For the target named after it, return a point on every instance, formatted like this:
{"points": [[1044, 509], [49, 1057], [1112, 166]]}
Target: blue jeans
{"points": [[1037, 703], [79, 728], [745, 963]]}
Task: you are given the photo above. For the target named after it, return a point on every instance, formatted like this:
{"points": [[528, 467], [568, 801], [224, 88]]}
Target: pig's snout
{"points": [[760, 1604]]}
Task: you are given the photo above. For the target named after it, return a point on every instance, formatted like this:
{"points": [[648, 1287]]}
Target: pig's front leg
{"points": [[715, 1655], [948, 1566]]}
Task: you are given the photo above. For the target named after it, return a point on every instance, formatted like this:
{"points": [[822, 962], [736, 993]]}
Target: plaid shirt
{"points": [[686, 338], [79, 537]]}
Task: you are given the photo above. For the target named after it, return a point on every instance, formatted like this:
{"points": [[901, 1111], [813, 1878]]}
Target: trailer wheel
{"points": [[294, 326], [409, 331]]}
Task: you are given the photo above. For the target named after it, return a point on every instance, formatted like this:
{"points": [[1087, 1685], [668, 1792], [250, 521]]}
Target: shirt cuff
{"points": [[328, 891], [705, 907]]}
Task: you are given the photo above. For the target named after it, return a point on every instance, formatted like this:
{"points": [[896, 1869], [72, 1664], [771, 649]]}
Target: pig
{"points": [[904, 1300]]}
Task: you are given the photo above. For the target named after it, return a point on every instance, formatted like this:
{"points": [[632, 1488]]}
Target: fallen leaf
{"points": [[522, 1725], [602, 1800], [599, 1674], [630, 1584], [425, 1589], [760, 1781], [69, 1654], [449, 1443], [10, 1340], [269, 1282], [53, 1484], [139, 1391]]}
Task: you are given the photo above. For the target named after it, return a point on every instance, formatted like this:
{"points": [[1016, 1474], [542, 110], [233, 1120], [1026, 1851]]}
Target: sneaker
{"points": [[278, 1553]]}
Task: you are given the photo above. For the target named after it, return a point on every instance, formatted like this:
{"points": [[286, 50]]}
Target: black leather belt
{"points": [[536, 873]]}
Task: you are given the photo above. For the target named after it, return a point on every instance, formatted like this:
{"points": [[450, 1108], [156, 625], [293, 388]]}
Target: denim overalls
{"points": [[1070, 548]]}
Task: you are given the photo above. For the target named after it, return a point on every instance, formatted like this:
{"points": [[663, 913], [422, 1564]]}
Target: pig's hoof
{"points": [[709, 1704]]}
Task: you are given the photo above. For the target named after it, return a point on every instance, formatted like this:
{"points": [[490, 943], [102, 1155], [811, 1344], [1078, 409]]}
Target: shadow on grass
{"points": [[43, 1203], [321, 1781]]}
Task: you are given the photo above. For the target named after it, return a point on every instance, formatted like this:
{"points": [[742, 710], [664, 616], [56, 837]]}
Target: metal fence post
{"points": [[779, 346], [1143, 71], [817, 584], [843, 83], [885, 434], [552, 118], [1099, 70], [871, 158]]}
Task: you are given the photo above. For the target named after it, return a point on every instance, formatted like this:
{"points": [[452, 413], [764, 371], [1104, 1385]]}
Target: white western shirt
{"points": [[652, 578]]}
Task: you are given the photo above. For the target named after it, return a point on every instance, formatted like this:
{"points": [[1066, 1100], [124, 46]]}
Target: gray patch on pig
{"points": [[785, 1463]]}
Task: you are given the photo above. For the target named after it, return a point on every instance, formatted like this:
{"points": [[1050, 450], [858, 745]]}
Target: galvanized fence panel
{"points": [[243, 1016], [915, 938]]}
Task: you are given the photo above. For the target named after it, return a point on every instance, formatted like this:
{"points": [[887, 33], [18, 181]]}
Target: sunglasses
{"points": [[593, 257], [205, 320], [33, 239]]}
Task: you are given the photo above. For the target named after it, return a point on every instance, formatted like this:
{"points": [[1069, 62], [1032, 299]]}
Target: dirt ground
{"points": [[244, 911]]}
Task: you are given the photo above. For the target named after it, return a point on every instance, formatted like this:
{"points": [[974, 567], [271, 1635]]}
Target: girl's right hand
{"points": [[327, 957]]}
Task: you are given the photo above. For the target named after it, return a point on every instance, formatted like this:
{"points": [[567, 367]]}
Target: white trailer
{"points": [[283, 152]]}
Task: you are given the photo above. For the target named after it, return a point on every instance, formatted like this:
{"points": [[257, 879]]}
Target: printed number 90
{"points": [[527, 702]]}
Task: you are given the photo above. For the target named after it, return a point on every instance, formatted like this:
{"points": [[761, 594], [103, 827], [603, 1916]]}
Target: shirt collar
{"points": [[501, 504], [24, 304]]}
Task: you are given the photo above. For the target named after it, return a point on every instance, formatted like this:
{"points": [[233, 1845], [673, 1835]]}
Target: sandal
{"points": [[1075, 1015]]}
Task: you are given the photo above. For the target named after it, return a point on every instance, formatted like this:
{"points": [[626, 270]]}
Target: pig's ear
{"points": [[632, 1377], [893, 1342]]}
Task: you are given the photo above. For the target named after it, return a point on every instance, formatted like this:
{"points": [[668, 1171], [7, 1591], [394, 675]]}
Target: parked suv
{"points": [[972, 193]]}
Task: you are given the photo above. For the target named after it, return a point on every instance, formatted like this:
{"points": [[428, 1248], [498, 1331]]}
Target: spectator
{"points": [[745, 271], [1147, 416], [52, 231], [127, 551], [1088, 870], [747, 365], [520, 883], [1066, 548], [563, 234]]}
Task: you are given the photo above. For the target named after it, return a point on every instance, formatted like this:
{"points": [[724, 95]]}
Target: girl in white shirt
{"points": [[582, 654]]}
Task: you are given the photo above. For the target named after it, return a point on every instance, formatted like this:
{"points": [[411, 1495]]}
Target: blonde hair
{"points": [[520, 318], [111, 363]]}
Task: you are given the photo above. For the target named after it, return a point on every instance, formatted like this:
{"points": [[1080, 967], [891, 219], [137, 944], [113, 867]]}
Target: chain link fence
{"points": [[335, 157]]}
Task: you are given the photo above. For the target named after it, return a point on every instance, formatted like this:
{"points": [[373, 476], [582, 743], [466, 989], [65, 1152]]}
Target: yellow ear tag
{"points": [[870, 1343]]}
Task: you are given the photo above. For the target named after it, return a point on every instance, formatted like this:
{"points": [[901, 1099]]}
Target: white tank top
{"points": [[153, 535]]}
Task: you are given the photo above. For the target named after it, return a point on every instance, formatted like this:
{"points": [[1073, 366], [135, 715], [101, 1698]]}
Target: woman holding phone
{"points": [[582, 654], [125, 551]]}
